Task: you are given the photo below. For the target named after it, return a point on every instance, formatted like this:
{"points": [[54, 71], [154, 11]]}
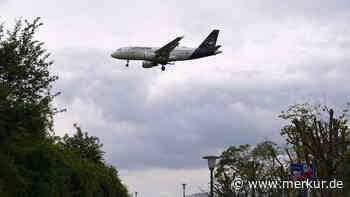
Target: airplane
{"points": [[168, 54]]}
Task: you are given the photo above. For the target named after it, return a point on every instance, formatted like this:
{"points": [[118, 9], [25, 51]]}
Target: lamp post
{"points": [[211, 165], [184, 188]]}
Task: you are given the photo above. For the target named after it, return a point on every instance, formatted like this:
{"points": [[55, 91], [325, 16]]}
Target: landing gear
{"points": [[127, 63], [163, 68]]}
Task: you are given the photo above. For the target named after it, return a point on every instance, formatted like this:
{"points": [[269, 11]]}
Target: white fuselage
{"points": [[148, 54]]}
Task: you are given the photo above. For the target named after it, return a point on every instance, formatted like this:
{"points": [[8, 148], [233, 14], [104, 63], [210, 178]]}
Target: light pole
{"points": [[184, 188], [135, 194], [211, 165]]}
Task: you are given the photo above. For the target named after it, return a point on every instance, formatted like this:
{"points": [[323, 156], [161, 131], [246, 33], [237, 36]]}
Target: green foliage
{"points": [[314, 134], [320, 137], [248, 163], [32, 163], [47, 169], [317, 136], [83, 145], [25, 81], [235, 162]]}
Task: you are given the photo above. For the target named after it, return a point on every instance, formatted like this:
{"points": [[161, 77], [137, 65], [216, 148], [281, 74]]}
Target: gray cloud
{"points": [[189, 119]]}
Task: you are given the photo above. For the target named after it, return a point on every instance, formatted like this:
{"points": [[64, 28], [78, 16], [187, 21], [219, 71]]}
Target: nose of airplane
{"points": [[115, 54]]}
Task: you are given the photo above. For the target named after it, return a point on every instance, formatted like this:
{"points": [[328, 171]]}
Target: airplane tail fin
{"points": [[210, 41]]}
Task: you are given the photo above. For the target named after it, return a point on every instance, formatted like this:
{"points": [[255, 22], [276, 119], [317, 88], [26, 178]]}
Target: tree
{"points": [[240, 162], [25, 101], [230, 167], [32, 164], [265, 161], [275, 164], [83, 145], [25, 81], [320, 137]]}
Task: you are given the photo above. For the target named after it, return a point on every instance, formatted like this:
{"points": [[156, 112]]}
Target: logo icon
{"points": [[210, 43], [301, 171]]}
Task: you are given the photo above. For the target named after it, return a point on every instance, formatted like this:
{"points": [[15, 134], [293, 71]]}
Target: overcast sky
{"points": [[156, 126]]}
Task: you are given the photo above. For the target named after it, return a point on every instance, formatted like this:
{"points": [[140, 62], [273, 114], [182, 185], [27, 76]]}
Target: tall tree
{"points": [[31, 163], [265, 161], [275, 164], [238, 162], [318, 136], [26, 97]]}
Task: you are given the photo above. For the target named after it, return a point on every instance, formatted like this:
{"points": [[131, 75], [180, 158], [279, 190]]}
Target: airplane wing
{"points": [[164, 51]]}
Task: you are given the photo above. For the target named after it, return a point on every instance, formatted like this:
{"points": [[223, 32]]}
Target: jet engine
{"points": [[148, 64]]}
